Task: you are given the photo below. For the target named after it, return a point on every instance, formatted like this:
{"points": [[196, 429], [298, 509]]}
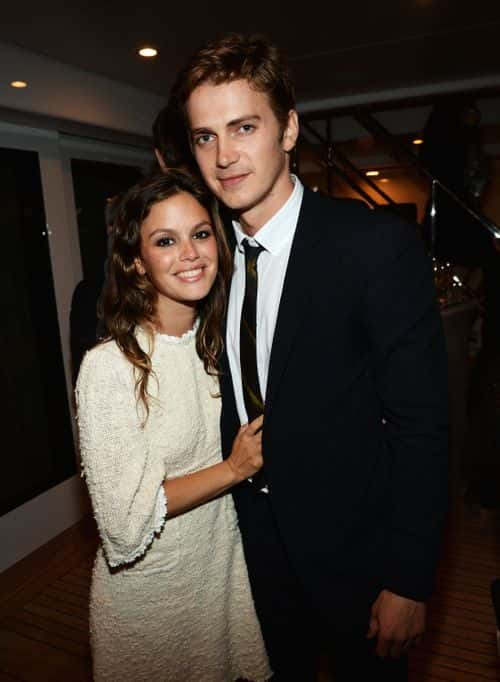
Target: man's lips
{"points": [[232, 180]]}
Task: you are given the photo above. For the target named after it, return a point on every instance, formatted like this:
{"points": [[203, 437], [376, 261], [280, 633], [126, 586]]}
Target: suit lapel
{"points": [[295, 294]]}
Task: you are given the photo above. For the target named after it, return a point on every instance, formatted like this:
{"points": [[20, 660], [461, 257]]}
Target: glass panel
{"points": [[37, 439]]}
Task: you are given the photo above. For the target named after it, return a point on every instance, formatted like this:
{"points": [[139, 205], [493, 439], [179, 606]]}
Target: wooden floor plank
{"points": [[64, 595], [486, 659], [57, 616], [457, 637], [34, 661], [434, 666], [65, 583], [76, 580], [50, 626], [79, 611], [58, 641]]}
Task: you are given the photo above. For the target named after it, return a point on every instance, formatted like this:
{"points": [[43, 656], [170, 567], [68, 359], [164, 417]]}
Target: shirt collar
{"points": [[280, 228]]}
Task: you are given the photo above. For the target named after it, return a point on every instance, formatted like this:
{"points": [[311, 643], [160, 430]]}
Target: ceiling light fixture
{"points": [[148, 52], [19, 84], [384, 180], [417, 140], [372, 173]]}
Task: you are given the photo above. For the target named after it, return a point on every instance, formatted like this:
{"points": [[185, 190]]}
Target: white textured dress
{"points": [[170, 597]]}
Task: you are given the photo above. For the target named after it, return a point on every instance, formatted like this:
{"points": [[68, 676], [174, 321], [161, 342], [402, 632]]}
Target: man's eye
{"points": [[247, 128], [165, 241]]}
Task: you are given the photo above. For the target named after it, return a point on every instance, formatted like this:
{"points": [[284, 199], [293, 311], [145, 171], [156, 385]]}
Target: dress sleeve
{"points": [[123, 478]]}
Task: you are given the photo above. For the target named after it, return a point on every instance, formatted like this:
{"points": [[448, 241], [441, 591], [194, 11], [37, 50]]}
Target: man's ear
{"points": [[291, 132], [139, 267]]}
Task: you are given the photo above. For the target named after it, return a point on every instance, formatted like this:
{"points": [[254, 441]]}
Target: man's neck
{"points": [[253, 219]]}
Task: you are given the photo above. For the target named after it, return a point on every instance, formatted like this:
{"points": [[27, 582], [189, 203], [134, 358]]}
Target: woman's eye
{"points": [[203, 234], [165, 241], [203, 139]]}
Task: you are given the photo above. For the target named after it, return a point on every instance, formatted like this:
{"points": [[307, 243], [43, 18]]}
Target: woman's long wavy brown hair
{"points": [[129, 299]]}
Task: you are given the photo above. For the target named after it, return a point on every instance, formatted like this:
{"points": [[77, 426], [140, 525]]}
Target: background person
{"points": [[170, 140], [85, 326]]}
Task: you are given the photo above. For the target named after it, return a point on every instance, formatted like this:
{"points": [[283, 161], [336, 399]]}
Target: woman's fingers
{"points": [[256, 425]]}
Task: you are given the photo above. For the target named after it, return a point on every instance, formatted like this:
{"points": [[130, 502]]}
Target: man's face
{"points": [[240, 148]]}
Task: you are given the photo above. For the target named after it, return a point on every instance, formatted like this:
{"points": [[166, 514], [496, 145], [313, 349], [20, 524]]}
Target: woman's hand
{"points": [[246, 459], [191, 490]]}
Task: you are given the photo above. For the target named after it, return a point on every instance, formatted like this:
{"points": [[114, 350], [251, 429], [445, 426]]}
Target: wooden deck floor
{"points": [[44, 611]]}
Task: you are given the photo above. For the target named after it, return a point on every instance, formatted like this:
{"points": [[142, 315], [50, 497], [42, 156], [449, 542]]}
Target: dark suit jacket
{"points": [[355, 430]]}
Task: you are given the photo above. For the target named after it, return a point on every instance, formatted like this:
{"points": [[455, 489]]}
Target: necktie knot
{"points": [[251, 254]]}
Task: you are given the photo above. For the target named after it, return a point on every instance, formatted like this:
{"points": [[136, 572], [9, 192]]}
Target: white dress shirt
{"points": [[276, 237]]}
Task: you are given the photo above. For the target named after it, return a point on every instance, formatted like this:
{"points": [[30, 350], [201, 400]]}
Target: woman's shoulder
{"points": [[104, 363]]}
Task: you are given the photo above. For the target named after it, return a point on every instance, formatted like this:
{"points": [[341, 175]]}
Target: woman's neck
{"points": [[175, 324]]}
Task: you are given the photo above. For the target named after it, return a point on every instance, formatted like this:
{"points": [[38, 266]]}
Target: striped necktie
{"points": [[252, 396], [248, 326]]}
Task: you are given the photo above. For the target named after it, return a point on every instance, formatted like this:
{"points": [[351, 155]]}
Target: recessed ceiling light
{"points": [[19, 84], [418, 140], [372, 173], [148, 52], [384, 180]]}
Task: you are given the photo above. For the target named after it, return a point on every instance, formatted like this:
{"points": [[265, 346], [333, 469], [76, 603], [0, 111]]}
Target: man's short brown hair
{"points": [[234, 57]]}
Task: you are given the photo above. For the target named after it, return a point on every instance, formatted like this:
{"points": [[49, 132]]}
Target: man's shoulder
{"points": [[355, 209], [352, 224]]}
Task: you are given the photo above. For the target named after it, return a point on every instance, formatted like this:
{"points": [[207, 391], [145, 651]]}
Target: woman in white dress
{"points": [[170, 597]]}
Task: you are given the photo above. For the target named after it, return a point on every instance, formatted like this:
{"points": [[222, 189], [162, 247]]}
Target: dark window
{"points": [[94, 184], [37, 442]]}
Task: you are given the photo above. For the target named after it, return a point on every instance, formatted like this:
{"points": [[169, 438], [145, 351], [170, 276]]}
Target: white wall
{"points": [[63, 91]]}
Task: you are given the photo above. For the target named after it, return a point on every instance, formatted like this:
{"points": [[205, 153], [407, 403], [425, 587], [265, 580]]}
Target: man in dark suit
{"points": [[333, 333]]}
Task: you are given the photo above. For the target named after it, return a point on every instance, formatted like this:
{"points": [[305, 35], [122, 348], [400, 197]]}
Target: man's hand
{"points": [[399, 623]]}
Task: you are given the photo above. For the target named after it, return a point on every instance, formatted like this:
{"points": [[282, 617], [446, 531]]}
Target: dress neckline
{"points": [[179, 340]]}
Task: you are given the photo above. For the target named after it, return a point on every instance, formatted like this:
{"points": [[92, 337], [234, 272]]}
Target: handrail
{"points": [[378, 130], [347, 163], [331, 164]]}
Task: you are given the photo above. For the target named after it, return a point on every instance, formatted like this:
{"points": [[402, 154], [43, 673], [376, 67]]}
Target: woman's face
{"points": [[178, 252]]}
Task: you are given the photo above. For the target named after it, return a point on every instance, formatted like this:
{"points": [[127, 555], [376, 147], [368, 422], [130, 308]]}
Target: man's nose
{"points": [[227, 154]]}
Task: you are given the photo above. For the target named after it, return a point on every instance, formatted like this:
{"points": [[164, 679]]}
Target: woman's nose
{"points": [[189, 251]]}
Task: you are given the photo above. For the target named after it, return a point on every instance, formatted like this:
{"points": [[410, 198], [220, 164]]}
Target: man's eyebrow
{"points": [[230, 124]]}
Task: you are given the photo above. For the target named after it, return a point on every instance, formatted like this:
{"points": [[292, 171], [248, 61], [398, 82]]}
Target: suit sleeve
{"points": [[410, 362], [123, 478]]}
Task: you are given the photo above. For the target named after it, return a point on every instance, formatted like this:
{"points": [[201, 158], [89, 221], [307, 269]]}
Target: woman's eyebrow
{"points": [[173, 230]]}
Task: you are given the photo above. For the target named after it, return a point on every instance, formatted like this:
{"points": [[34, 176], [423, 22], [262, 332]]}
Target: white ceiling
{"points": [[336, 49]]}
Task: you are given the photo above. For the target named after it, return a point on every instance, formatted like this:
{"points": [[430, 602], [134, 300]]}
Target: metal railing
{"points": [[402, 153]]}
